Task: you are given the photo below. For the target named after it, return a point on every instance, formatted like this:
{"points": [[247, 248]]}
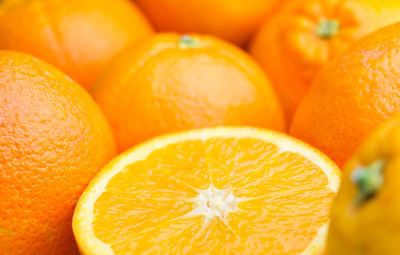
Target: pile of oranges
{"points": [[199, 127]]}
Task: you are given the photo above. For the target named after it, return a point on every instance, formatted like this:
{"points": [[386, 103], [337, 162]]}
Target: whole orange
{"points": [[353, 95], [232, 20], [78, 37], [369, 198], [53, 140], [303, 35], [170, 83], [365, 214]]}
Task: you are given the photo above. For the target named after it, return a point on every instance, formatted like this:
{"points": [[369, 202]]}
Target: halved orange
{"points": [[211, 191]]}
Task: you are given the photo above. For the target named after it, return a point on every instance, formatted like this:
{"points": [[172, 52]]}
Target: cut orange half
{"points": [[211, 191]]}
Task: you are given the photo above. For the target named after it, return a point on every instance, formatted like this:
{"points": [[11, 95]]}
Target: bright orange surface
{"points": [[350, 221], [232, 20], [302, 36], [353, 95], [170, 83], [78, 37], [53, 139], [217, 195]]}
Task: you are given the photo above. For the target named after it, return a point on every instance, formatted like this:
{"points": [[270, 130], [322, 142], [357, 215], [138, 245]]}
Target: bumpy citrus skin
{"points": [[53, 139], [170, 83], [232, 20], [372, 226], [353, 95], [303, 35], [78, 37]]}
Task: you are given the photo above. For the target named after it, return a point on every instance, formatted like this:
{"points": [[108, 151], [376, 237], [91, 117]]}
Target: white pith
{"points": [[211, 202]]}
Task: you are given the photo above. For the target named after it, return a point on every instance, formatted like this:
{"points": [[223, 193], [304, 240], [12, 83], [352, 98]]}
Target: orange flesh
{"points": [[281, 199]]}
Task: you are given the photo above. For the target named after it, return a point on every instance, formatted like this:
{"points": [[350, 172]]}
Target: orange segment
{"points": [[211, 191]]}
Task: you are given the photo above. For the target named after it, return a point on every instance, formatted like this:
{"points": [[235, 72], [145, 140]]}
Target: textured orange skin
{"points": [[78, 37], [352, 96], [373, 227], [292, 54], [157, 87], [232, 20], [53, 140]]}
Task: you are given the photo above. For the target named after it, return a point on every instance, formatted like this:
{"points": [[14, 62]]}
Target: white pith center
{"points": [[213, 202]]}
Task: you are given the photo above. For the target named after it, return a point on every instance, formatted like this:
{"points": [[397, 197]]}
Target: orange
{"points": [[53, 139], [170, 83], [232, 20], [366, 212], [212, 191], [303, 35], [352, 96], [78, 37]]}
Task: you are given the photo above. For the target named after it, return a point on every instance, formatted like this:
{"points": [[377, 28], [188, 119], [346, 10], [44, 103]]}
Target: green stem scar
{"points": [[369, 180], [186, 42], [327, 29]]}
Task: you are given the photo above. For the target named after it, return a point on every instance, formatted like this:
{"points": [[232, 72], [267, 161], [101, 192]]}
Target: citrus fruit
{"points": [[303, 35], [210, 191], [232, 20], [169, 83], [53, 139], [353, 95], [365, 214], [78, 37]]}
